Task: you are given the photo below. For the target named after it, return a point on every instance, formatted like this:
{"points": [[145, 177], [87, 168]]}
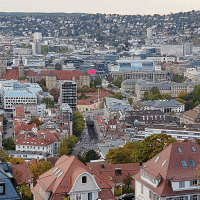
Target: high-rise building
{"points": [[68, 93], [36, 45]]}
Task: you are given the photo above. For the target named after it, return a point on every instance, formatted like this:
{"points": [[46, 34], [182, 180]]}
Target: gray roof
{"points": [[162, 103]]}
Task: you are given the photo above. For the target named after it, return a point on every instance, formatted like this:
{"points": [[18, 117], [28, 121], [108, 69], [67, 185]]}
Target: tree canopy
{"points": [[78, 123], [140, 151], [49, 102], [67, 145], [97, 81], [87, 157], [8, 143]]}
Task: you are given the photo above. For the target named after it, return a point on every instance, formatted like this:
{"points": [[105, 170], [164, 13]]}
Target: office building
{"points": [[68, 93]]}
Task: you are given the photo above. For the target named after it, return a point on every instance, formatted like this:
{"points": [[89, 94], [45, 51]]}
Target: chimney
{"points": [[140, 164], [37, 159]]}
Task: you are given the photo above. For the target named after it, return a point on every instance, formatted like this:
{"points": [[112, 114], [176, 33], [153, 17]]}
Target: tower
{"points": [[3, 64], [21, 68]]}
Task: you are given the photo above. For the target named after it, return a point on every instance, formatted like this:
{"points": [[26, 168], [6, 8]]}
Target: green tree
{"points": [[165, 96], [36, 121], [130, 100], [154, 144], [97, 81], [78, 123], [118, 81], [49, 102], [58, 66], [117, 95], [3, 156], [8, 143], [109, 78], [87, 157], [39, 168], [67, 145]]}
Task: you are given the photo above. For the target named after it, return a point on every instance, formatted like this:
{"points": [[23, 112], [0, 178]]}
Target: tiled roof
{"points": [[63, 75], [22, 126], [173, 169], [30, 73], [71, 168], [25, 172], [20, 111], [11, 74]]}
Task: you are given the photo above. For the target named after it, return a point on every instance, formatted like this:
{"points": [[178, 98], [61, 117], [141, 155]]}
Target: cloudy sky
{"points": [[100, 6]]}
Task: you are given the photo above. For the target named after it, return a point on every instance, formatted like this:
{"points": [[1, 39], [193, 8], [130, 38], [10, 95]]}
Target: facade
{"points": [[41, 109], [135, 65], [177, 133], [192, 74], [68, 94], [191, 116], [148, 75], [170, 175], [166, 106], [71, 178], [1, 131]]}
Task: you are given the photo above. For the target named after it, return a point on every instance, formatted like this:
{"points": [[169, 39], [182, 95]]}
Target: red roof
{"points": [[24, 171], [63, 75], [71, 168], [20, 111], [30, 73], [22, 126], [172, 170], [11, 74]]}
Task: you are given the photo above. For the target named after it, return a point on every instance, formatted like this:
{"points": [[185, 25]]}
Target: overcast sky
{"points": [[101, 6]]}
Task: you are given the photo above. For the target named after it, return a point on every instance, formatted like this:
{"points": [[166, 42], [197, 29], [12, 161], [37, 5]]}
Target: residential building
{"points": [[68, 94], [71, 178], [41, 109], [170, 175], [191, 116], [166, 106], [192, 74]]}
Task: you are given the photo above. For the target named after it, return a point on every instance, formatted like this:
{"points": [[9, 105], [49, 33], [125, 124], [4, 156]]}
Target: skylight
{"points": [[157, 159], [164, 162], [193, 149], [179, 150], [55, 170], [60, 174], [183, 163], [191, 162]]}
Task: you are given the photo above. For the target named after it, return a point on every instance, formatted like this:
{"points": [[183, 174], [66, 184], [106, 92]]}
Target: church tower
{"points": [[21, 68]]}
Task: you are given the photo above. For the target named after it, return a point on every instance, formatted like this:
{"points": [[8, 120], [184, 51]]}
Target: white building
{"points": [[170, 175]]}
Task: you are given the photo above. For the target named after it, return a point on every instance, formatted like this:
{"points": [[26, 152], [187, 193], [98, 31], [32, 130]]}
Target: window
{"points": [[194, 183], [84, 179], [191, 162], [193, 149], [117, 171], [181, 184], [179, 150], [193, 197], [2, 188], [78, 196], [90, 196], [183, 163], [142, 189]]}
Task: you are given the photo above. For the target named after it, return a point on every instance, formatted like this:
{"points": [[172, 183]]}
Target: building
{"points": [[41, 109], [68, 94], [171, 88], [192, 74], [166, 106], [1, 131], [148, 75], [71, 178], [135, 65], [170, 175], [191, 116], [7, 189]]}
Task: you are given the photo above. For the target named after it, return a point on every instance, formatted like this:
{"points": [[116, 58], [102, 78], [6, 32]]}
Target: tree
{"points": [[8, 143], [16, 160], [118, 81], [130, 100], [49, 102], [128, 181], [39, 168], [36, 121], [78, 123], [55, 93], [25, 191], [87, 157], [67, 145], [166, 97], [58, 66], [109, 78], [3, 156], [97, 81], [154, 144], [117, 95]]}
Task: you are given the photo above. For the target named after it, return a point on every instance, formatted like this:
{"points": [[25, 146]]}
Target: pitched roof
{"points": [[30, 73], [20, 111], [172, 170], [63, 75], [61, 177], [11, 74]]}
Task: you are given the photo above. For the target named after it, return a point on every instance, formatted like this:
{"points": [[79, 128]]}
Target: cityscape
{"points": [[99, 106]]}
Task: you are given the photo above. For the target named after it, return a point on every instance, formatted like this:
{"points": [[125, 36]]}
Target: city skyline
{"points": [[101, 6]]}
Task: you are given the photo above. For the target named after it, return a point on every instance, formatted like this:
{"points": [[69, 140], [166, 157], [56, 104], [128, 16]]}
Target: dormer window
{"points": [[164, 162], [117, 171], [84, 179], [2, 189], [191, 162], [181, 184]]}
